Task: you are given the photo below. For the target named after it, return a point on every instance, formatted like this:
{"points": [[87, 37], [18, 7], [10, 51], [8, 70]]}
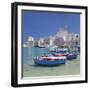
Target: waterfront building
{"points": [[24, 45], [73, 39], [77, 39], [59, 41], [63, 33], [36, 44], [41, 42], [51, 40], [62, 36], [31, 41]]}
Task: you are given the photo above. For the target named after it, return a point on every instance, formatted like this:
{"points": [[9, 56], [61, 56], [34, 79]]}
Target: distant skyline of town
{"points": [[44, 24], [61, 38]]}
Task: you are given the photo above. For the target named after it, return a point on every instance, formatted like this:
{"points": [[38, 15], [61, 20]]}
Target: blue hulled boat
{"points": [[69, 55], [49, 60]]}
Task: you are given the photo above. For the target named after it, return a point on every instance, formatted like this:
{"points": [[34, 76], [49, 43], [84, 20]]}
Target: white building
{"points": [[70, 39], [51, 40], [73, 39], [31, 41], [41, 42], [63, 33], [24, 45]]}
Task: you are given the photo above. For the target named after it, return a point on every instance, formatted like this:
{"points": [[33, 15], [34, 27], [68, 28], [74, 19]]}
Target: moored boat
{"points": [[49, 60], [69, 55]]}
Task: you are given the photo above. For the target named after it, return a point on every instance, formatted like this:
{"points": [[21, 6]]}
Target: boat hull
{"points": [[70, 57], [49, 63]]}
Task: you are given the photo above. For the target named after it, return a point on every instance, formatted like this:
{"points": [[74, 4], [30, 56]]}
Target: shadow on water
{"points": [[46, 65]]}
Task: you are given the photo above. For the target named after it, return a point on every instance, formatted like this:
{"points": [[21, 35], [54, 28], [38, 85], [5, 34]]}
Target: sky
{"points": [[44, 24]]}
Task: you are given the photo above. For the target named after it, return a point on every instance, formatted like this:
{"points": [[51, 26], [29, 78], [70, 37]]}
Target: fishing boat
{"points": [[63, 50], [59, 50], [52, 50], [49, 60], [69, 55], [59, 54]]}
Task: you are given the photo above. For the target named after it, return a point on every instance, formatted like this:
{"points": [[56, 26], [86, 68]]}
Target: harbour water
{"points": [[71, 67]]}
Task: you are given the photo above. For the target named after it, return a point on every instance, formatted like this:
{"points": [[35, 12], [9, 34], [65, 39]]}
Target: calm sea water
{"points": [[72, 67]]}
